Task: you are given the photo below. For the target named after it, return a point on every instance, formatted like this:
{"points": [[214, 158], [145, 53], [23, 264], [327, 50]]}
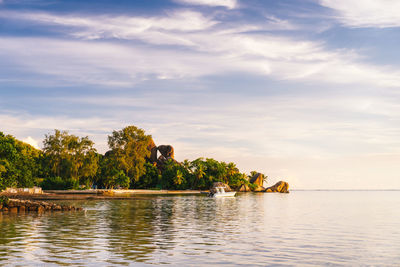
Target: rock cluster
{"points": [[17, 205], [244, 188], [279, 187], [166, 153]]}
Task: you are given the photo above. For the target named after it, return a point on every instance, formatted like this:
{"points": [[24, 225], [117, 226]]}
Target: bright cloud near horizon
{"points": [[304, 91]]}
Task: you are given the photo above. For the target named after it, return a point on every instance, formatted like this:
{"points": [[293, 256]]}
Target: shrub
{"points": [[4, 200], [57, 183], [252, 186]]}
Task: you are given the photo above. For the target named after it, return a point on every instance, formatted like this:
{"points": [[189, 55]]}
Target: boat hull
{"points": [[226, 194]]}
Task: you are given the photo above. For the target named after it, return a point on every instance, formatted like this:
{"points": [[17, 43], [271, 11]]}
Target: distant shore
{"points": [[100, 194]]}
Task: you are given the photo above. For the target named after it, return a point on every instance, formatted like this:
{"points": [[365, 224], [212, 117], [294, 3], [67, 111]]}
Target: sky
{"points": [[303, 91]]}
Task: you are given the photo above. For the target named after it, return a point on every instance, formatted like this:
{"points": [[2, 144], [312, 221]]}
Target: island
{"points": [[133, 163]]}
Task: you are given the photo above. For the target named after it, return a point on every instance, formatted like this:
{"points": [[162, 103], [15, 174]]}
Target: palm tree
{"points": [[178, 179], [199, 174]]}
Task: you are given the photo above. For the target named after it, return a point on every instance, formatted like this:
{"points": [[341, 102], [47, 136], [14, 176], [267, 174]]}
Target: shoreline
{"points": [[100, 194]]}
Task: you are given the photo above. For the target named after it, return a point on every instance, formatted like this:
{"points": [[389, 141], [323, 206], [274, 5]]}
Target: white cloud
{"points": [[230, 4], [206, 51], [31, 141], [110, 64], [366, 13], [121, 27]]}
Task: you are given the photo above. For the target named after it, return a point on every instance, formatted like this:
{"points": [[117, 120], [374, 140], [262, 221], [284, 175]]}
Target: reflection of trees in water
{"points": [[131, 229], [148, 230], [70, 236], [165, 230], [142, 230], [9, 234]]}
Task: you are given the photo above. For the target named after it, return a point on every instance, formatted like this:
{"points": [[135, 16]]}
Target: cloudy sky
{"points": [[304, 91]]}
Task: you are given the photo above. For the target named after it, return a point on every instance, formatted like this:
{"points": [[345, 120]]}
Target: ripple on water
{"points": [[301, 228]]}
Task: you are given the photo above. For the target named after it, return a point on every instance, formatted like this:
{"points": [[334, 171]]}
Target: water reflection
{"points": [[306, 228]]}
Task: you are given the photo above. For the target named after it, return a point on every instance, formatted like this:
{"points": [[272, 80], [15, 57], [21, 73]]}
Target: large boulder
{"points": [[167, 151], [219, 184], [153, 151], [244, 188], [279, 187], [257, 179], [259, 189]]}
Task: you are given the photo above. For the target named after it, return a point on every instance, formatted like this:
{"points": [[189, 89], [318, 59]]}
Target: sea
{"points": [[302, 228]]}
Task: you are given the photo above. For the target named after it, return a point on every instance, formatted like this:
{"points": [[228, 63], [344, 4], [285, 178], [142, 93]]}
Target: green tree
{"points": [[174, 176], [129, 150], [150, 178], [198, 171], [19, 163], [70, 156]]}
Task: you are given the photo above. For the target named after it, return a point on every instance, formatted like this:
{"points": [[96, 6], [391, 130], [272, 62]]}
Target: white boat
{"points": [[221, 193]]}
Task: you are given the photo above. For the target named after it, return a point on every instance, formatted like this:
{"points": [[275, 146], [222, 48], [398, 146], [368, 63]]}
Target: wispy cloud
{"points": [[230, 4], [208, 51], [366, 13]]}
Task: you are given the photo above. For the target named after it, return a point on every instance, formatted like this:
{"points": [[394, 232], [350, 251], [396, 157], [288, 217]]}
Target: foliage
{"points": [[70, 157], [109, 176], [150, 179], [19, 163], [238, 179], [174, 176], [58, 183], [4, 200], [252, 186], [129, 150], [69, 161]]}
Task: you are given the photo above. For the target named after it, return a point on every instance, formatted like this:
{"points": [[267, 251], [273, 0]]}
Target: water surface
{"points": [[300, 228]]}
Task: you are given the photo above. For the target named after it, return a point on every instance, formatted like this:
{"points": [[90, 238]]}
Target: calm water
{"points": [[300, 228]]}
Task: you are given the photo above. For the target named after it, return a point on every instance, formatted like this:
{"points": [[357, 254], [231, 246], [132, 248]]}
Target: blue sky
{"points": [[305, 91]]}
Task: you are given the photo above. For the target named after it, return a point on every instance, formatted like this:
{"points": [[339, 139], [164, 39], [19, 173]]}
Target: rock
{"points": [[167, 151], [40, 209], [244, 188], [219, 184], [5, 209], [153, 151], [21, 209], [279, 187], [259, 189], [257, 179]]}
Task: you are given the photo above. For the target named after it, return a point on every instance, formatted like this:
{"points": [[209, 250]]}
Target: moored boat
{"points": [[220, 192]]}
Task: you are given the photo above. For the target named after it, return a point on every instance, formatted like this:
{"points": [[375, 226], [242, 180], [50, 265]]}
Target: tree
{"points": [[19, 163], [150, 178], [129, 150], [70, 156], [174, 176], [198, 172]]}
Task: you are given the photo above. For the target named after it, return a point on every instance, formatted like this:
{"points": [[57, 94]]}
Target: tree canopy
{"points": [[69, 161], [19, 163], [129, 150], [69, 156]]}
